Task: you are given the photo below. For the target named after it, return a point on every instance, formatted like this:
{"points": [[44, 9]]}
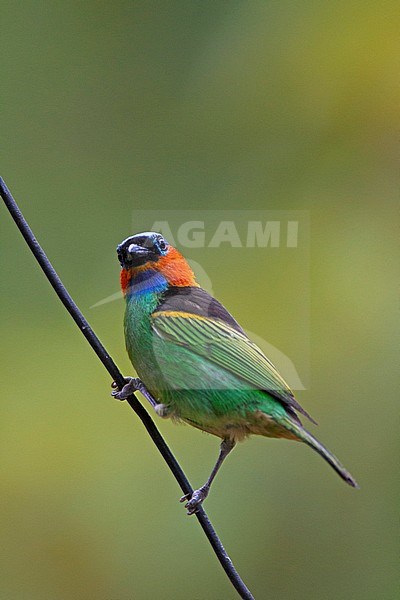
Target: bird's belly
{"points": [[239, 425]]}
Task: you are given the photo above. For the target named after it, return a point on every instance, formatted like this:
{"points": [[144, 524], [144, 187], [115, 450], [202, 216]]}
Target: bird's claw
{"points": [[195, 500], [134, 384], [129, 388]]}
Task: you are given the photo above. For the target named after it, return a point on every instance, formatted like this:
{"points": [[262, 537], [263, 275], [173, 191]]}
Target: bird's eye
{"points": [[162, 244]]}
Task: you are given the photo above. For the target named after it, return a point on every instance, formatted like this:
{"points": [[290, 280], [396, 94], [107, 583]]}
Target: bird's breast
{"points": [[140, 339]]}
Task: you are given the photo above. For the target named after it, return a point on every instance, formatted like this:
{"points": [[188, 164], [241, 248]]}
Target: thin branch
{"points": [[117, 376]]}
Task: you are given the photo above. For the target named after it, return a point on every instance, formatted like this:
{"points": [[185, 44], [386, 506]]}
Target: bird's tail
{"points": [[306, 437]]}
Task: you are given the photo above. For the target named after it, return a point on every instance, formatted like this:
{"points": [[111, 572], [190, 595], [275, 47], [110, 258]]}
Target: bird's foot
{"points": [[195, 500], [132, 385]]}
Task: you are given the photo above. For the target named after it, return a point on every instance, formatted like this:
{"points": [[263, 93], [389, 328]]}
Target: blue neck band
{"points": [[147, 282]]}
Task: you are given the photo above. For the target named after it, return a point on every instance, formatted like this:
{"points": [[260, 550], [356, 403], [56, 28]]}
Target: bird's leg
{"points": [[198, 496], [134, 384]]}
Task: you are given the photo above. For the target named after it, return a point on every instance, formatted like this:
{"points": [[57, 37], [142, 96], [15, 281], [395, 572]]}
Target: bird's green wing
{"points": [[220, 343]]}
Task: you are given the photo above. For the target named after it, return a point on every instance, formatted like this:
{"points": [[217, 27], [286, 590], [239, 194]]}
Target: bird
{"points": [[195, 363]]}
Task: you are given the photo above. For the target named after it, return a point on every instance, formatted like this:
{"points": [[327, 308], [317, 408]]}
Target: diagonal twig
{"points": [[117, 376]]}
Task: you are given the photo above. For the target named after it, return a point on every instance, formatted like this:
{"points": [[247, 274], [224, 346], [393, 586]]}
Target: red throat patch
{"points": [[173, 266], [125, 278], [176, 269]]}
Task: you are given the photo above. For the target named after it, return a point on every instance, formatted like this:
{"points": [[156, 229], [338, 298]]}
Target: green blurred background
{"points": [[109, 108]]}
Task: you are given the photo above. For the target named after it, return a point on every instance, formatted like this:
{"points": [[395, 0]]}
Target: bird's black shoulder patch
{"points": [[196, 301]]}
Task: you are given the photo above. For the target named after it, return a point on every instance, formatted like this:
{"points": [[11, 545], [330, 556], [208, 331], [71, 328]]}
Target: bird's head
{"points": [[149, 261]]}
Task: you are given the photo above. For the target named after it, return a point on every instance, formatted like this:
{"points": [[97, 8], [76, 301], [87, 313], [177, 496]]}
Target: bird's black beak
{"points": [[133, 255]]}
